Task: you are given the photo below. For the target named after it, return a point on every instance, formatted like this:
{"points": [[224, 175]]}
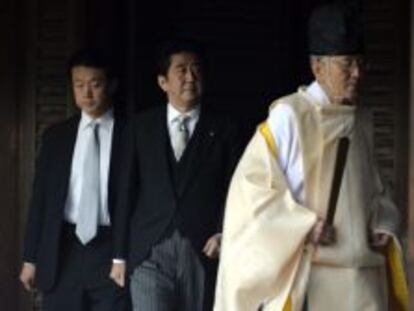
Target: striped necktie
{"points": [[181, 135]]}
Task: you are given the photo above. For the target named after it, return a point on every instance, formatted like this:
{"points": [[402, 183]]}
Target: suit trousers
{"points": [[83, 282], [171, 279]]}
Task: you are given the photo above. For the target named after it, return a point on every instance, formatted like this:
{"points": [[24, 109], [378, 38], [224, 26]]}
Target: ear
{"points": [[162, 82], [318, 69], [315, 65]]}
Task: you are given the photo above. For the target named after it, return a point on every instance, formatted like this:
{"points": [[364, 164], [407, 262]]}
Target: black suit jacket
{"points": [[148, 203], [42, 244]]}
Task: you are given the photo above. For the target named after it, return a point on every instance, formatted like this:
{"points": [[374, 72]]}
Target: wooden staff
{"points": [[343, 147]]}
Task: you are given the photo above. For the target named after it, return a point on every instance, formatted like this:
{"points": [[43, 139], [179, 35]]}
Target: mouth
{"points": [[353, 86], [191, 89], [89, 103]]}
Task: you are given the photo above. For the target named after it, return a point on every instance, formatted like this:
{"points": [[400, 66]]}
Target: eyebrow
{"points": [[91, 80]]}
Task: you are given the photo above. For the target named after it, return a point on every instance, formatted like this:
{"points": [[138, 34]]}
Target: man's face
{"points": [[183, 82], [339, 76], [90, 88]]}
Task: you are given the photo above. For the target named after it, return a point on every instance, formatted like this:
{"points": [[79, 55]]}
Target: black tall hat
{"points": [[335, 29]]}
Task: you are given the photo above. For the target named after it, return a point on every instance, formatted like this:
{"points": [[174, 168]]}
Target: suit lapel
{"points": [[161, 150], [65, 153], [119, 125], [198, 149]]}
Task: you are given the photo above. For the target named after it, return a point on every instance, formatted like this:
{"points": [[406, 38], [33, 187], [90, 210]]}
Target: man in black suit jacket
{"points": [[69, 264], [170, 204]]}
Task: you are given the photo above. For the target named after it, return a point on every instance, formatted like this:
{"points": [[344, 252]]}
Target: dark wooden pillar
{"points": [[9, 155], [411, 170]]}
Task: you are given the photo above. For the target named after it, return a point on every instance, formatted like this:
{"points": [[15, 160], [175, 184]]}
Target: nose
{"points": [[356, 70], [189, 75], [87, 91]]}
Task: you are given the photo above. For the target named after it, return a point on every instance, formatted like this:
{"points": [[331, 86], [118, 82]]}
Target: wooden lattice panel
{"points": [[53, 43], [380, 81]]}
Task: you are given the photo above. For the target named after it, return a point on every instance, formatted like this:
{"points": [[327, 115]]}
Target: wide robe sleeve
{"points": [[264, 232]]}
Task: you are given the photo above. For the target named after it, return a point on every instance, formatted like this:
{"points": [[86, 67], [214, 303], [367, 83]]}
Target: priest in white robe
{"points": [[278, 250]]}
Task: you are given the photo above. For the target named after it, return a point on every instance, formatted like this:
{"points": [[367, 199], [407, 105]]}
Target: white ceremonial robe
{"points": [[269, 212]]}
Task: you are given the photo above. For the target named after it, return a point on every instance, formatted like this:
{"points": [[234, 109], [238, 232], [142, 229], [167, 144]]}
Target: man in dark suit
{"points": [[68, 243], [178, 160]]}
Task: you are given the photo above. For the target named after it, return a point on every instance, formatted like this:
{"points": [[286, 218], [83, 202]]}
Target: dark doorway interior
{"points": [[256, 50]]}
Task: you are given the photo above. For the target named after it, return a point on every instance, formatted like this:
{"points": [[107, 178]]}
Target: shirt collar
{"points": [[318, 97], [104, 120], [173, 113], [315, 90]]}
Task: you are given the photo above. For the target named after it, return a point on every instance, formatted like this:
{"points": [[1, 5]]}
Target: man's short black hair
{"points": [[171, 47], [92, 57]]}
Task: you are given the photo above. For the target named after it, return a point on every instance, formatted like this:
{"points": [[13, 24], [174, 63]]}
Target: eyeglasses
{"points": [[349, 62]]}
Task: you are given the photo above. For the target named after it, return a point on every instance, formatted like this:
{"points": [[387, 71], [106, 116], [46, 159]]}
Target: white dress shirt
{"points": [[282, 123], [106, 125]]}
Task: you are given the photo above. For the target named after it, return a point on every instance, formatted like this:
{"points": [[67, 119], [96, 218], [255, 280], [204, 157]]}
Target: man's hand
{"points": [[212, 247], [27, 275], [379, 240], [117, 274], [322, 234]]}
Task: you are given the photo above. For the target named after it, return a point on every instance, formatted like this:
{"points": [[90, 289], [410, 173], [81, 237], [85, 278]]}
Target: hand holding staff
{"points": [[324, 232]]}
